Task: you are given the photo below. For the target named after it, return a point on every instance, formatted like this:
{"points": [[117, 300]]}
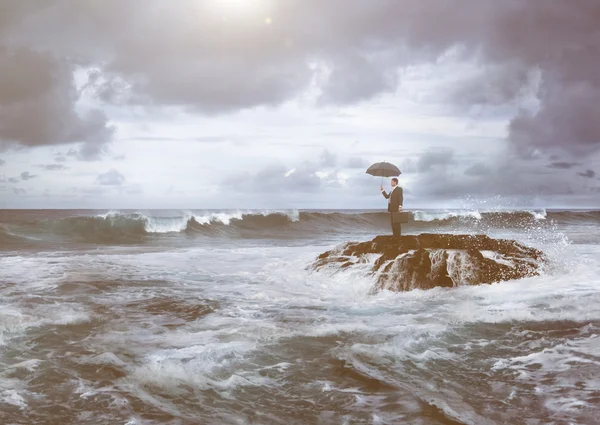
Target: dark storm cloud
{"points": [[588, 174], [495, 85], [506, 178], [563, 165], [111, 178], [150, 52], [363, 43], [37, 104], [435, 158]]}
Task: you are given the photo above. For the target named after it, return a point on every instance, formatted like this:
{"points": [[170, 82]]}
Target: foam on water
{"points": [[432, 216], [202, 367], [274, 328], [12, 322]]}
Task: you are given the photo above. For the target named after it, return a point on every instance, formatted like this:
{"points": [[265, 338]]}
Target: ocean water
{"points": [[212, 317]]}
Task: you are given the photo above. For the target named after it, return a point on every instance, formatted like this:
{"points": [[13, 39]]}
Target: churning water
{"points": [[207, 317]]}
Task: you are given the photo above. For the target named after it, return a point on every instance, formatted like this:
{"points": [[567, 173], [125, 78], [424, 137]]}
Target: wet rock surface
{"points": [[426, 261]]}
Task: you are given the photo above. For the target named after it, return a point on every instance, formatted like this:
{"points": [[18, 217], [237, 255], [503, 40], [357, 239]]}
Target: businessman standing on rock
{"points": [[395, 200]]}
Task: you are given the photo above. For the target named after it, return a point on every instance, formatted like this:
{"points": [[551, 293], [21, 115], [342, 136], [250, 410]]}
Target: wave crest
{"points": [[134, 227]]}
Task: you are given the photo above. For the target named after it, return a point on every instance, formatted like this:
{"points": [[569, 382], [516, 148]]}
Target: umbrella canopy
{"points": [[383, 169]]}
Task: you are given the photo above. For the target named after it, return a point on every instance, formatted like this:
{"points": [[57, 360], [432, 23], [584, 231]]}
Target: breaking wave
{"points": [[133, 227]]}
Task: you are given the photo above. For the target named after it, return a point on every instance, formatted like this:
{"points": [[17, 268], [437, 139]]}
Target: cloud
{"points": [[440, 157], [13, 180], [99, 191], [478, 169], [61, 62], [308, 177], [278, 179], [588, 174], [499, 179], [26, 175], [328, 159], [202, 60], [357, 163], [38, 104], [2, 162], [408, 166], [53, 167], [563, 165], [19, 191], [111, 178]]}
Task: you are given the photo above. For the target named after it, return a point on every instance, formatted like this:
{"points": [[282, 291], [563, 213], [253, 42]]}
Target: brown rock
{"points": [[429, 260]]}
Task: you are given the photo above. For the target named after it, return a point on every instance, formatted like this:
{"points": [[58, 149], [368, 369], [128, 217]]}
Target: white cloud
{"points": [[111, 178]]}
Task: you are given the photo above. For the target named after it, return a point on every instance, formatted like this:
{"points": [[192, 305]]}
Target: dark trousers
{"points": [[396, 227]]}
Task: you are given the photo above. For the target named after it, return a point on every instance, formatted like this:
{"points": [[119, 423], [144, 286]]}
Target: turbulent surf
{"points": [[132, 227], [216, 317]]}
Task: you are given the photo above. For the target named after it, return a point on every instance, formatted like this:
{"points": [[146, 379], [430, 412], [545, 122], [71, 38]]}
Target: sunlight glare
{"points": [[234, 6]]}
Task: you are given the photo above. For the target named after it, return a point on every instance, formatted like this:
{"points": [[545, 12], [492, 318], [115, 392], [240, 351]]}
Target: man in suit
{"points": [[395, 200]]}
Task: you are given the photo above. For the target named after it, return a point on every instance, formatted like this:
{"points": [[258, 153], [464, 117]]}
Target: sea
{"points": [[215, 317]]}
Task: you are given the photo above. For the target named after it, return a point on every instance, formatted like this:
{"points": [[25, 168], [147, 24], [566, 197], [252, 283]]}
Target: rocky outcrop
{"points": [[429, 260]]}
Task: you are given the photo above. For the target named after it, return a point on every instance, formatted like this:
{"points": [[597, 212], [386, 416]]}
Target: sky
{"points": [[271, 104]]}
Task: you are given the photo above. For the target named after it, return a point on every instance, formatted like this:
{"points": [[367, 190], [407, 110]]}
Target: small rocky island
{"points": [[428, 260]]}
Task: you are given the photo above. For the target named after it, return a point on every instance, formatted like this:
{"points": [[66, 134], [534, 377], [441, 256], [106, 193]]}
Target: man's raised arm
{"points": [[385, 195]]}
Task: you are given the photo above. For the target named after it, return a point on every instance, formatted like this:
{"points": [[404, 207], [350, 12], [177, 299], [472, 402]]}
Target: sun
{"points": [[235, 6], [240, 11]]}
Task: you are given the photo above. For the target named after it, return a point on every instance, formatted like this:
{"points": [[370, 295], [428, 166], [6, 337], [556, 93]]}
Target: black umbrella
{"points": [[383, 169]]}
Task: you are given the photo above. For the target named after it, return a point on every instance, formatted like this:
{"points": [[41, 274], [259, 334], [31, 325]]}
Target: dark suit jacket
{"points": [[397, 199]]}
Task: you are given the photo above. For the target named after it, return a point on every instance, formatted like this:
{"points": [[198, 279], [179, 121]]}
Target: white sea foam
{"points": [[429, 216], [13, 392], [178, 221], [223, 218], [566, 375], [431, 343], [201, 366], [12, 322], [227, 217], [167, 224]]}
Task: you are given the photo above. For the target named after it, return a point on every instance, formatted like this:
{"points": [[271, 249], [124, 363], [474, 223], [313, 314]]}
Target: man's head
{"points": [[394, 182]]}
